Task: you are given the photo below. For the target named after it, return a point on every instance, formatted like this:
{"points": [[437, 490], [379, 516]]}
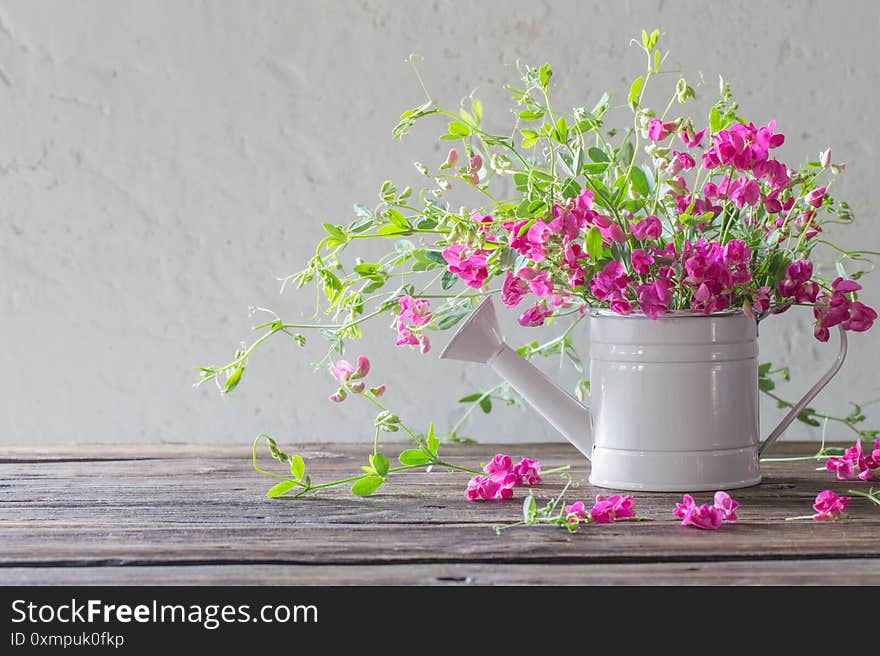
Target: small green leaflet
{"points": [[640, 182], [593, 243], [380, 464], [635, 91], [597, 154], [414, 457], [297, 467], [282, 488], [367, 485], [233, 380]]}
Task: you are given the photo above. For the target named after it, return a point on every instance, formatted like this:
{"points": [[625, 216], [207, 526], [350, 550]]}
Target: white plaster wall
{"points": [[161, 162]]}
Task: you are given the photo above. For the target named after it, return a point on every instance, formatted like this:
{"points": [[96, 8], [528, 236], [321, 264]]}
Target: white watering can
{"points": [[674, 401]]}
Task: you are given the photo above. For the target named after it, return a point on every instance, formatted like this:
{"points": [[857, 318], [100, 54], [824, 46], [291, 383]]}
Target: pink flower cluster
{"points": [[837, 308], [604, 511], [830, 506], [742, 146], [705, 516], [855, 459], [468, 264], [413, 317], [350, 378], [502, 476]]}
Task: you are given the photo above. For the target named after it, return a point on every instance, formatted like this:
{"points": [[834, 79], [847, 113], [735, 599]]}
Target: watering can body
{"points": [[673, 401]]}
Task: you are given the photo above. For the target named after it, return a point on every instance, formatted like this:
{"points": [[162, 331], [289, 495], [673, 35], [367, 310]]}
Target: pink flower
{"points": [[609, 509], [538, 282], [342, 370], [608, 282], [513, 290], [537, 237], [424, 344], [476, 163], [535, 315], [680, 162], [691, 140], [499, 467], [468, 265], [654, 298], [815, 197], [829, 507], [825, 158], [451, 159], [703, 517], [363, 367], [736, 252], [745, 191], [610, 230], [647, 228], [575, 511], [727, 505], [413, 316], [641, 261], [861, 317], [528, 471], [482, 487], [843, 467], [658, 130]]}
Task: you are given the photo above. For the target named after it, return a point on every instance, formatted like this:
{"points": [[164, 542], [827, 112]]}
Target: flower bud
{"points": [[378, 391], [475, 178], [339, 396], [358, 387], [363, 366], [424, 344], [451, 159], [825, 158], [476, 163]]}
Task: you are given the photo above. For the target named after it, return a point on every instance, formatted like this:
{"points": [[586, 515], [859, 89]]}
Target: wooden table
{"points": [[196, 514]]}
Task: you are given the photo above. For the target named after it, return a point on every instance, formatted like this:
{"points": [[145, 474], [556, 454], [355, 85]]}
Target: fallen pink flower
{"points": [[609, 509], [528, 472], [575, 512], [829, 506], [727, 505], [704, 516]]}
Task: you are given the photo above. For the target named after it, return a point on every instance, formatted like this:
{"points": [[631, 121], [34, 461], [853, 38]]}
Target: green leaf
{"points": [[477, 108], [635, 91], [766, 385], [715, 123], [531, 114], [449, 320], [297, 467], [544, 75], [764, 369], [367, 485], [529, 138], [448, 279], [432, 441], [335, 231], [640, 182], [414, 457], [459, 129], [595, 169], [233, 380], [380, 463], [601, 106], [529, 510], [391, 231], [396, 218], [282, 488], [597, 154], [470, 398], [593, 242], [486, 404], [806, 416]]}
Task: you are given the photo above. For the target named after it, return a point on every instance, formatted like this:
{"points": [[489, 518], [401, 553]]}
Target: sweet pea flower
{"points": [[342, 370], [825, 158], [843, 467], [575, 512], [727, 505], [658, 130], [654, 298], [829, 506], [538, 281], [691, 139], [647, 228], [513, 290], [680, 162], [704, 516], [467, 264], [641, 261], [535, 315], [451, 159], [528, 472], [609, 509], [501, 477], [413, 316], [815, 197]]}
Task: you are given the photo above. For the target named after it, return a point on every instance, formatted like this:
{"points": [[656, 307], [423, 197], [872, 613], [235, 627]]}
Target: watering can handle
{"points": [[809, 396]]}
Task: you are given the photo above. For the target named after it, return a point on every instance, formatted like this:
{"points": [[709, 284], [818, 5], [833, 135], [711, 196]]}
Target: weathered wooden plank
{"points": [[835, 571], [26, 544]]}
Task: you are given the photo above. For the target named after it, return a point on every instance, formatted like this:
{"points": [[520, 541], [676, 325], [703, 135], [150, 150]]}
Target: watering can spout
{"points": [[479, 340]]}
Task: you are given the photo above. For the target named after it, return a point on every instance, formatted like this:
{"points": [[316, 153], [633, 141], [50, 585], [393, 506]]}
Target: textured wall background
{"points": [[161, 162]]}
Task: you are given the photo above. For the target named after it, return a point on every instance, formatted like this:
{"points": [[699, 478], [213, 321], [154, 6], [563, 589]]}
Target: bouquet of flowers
{"points": [[671, 213]]}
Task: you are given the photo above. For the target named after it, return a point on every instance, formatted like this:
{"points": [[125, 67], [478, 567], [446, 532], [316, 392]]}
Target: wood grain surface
{"points": [[194, 514]]}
